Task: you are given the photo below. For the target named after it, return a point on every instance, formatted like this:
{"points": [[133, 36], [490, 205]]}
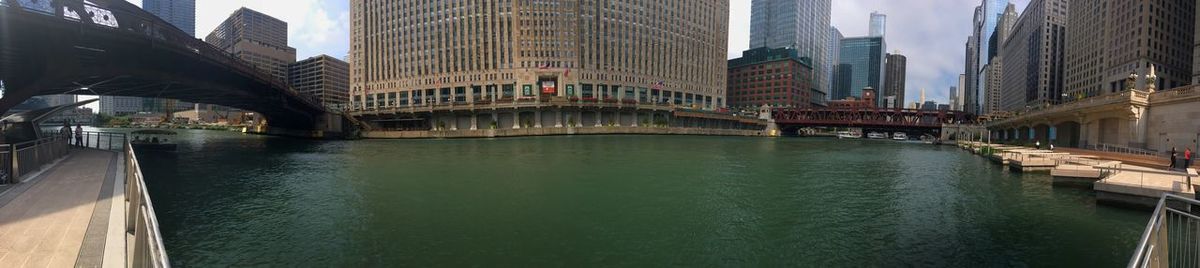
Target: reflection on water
{"points": [[232, 199]]}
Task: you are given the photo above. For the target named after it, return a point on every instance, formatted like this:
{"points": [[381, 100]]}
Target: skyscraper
{"points": [[894, 79], [800, 24], [1110, 39], [256, 38], [987, 16], [834, 48], [1034, 54], [878, 24], [993, 72], [862, 65], [181, 13], [962, 85]]}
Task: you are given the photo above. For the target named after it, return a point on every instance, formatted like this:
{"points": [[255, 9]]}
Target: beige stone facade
{"points": [[425, 52], [1109, 39]]}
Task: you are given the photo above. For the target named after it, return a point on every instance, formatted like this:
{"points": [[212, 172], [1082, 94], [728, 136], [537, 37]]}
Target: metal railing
{"points": [[20, 159], [141, 223], [1122, 149], [1185, 178], [1172, 237]]}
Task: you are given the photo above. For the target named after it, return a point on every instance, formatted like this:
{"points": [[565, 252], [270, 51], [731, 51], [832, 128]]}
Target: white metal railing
{"points": [[141, 223], [1122, 149], [1172, 236]]}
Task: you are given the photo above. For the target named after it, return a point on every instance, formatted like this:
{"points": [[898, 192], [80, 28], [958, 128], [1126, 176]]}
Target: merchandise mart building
{"points": [[418, 53]]}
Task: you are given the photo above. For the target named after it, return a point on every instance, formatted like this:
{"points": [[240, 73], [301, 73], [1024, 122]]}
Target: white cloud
{"points": [[314, 26]]}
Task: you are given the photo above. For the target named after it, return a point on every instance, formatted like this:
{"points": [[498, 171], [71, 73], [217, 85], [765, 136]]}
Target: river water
{"points": [[228, 199]]}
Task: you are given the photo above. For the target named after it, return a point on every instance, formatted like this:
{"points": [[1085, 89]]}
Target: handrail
{"points": [[141, 221], [1154, 248], [20, 159]]}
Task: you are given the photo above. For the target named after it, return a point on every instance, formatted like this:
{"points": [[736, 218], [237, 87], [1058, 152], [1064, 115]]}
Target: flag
{"points": [[543, 66], [658, 85], [567, 73]]}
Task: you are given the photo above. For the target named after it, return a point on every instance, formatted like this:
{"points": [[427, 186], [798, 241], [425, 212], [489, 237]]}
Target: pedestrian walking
{"points": [[1173, 158], [79, 135], [1038, 144], [1187, 158]]}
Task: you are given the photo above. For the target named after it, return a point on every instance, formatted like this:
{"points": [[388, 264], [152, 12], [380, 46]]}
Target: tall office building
{"points": [[800, 24], [862, 65], [256, 38], [323, 77], [894, 80], [993, 72], [878, 24], [1110, 39], [180, 13], [982, 49], [962, 84], [834, 50], [1035, 52], [954, 99], [500, 50], [119, 106]]}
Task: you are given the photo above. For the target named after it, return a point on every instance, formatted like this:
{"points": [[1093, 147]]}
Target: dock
{"points": [[1117, 179]]}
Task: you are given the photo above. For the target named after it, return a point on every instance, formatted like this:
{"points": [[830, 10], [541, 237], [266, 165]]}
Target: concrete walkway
{"points": [[66, 216]]}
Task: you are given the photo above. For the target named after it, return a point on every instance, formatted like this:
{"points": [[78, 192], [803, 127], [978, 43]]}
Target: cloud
{"points": [[931, 33], [314, 26]]}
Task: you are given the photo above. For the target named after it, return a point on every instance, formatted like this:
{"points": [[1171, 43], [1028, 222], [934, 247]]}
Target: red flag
{"points": [[567, 73], [543, 65]]}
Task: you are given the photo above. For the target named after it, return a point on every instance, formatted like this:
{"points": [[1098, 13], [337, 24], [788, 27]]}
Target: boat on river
{"points": [[876, 136], [849, 135], [153, 140], [900, 136]]}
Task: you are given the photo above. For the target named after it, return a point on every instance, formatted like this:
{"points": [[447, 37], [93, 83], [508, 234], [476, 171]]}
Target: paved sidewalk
{"points": [[61, 217]]}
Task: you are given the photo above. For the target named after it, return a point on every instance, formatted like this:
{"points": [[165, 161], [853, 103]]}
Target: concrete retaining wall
{"points": [[490, 133]]}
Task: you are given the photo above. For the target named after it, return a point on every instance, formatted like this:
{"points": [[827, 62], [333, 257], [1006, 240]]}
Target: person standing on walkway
{"points": [[1172, 153], [66, 132], [1038, 144], [79, 135], [1187, 158]]}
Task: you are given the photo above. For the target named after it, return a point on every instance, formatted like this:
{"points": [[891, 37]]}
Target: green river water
{"points": [[228, 199]]}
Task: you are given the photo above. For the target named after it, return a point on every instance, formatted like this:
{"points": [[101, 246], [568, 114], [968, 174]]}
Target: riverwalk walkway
{"points": [[71, 214]]}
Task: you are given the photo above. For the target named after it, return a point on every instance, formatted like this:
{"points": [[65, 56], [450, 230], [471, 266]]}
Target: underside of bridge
{"points": [[113, 48]]}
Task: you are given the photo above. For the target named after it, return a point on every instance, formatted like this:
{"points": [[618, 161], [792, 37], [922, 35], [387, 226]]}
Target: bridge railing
{"points": [[1170, 238], [141, 223], [20, 159]]}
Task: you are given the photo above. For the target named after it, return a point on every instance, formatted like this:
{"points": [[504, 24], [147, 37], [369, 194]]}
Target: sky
{"points": [[931, 33]]}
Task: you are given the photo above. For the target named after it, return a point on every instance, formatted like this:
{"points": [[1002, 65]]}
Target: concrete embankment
{"points": [[525, 132]]}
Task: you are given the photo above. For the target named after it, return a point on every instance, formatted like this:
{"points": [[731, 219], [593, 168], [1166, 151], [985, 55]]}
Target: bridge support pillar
{"points": [[474, 121], [558, 115], [635, 118], [537, 118], [578, 118], [1137, 121], [517, 119], [453, 121], [599, 117]]}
